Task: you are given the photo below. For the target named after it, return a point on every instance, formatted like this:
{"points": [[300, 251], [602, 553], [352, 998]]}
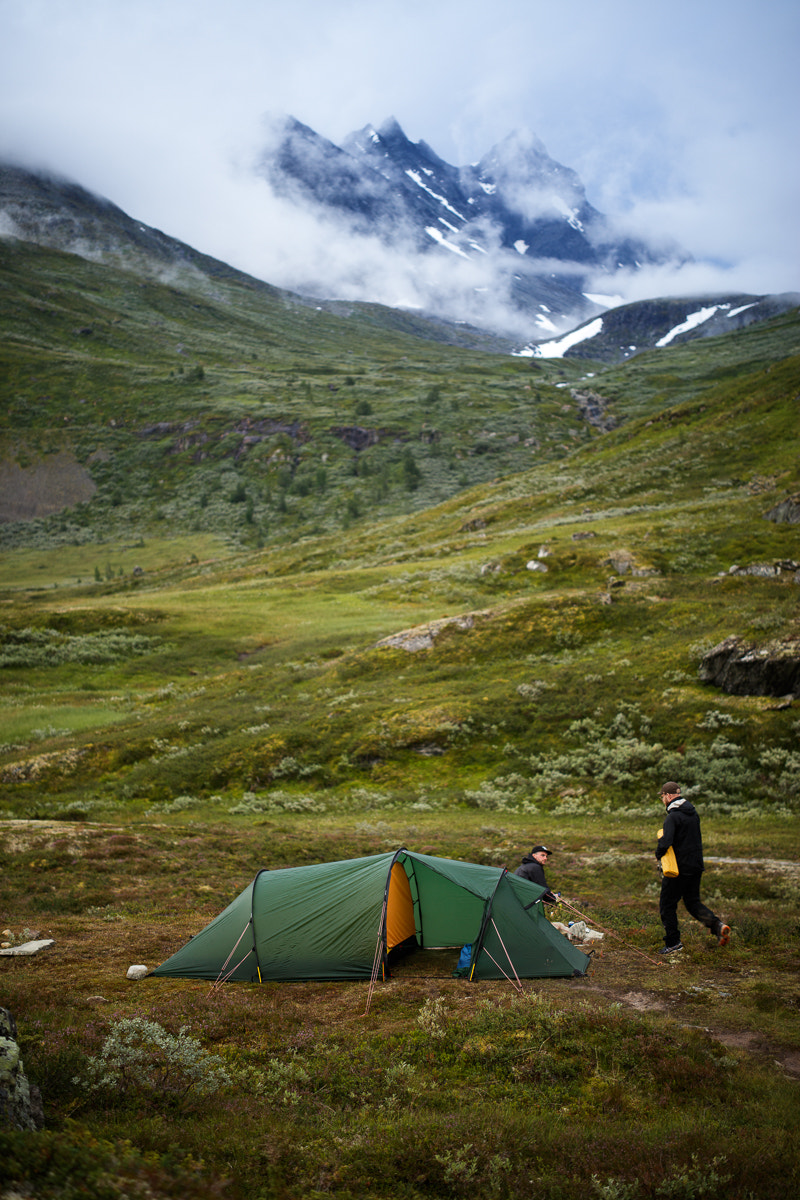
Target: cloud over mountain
{"points": [[510, 242]]}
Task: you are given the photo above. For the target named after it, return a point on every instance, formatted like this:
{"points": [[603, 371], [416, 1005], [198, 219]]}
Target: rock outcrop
{"points": [[20, 1101], [776, 569], [746, 669], [422, 637], [787, 512]]}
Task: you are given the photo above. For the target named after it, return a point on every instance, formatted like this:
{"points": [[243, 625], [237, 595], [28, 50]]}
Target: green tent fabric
{"points": [[340, 920]]}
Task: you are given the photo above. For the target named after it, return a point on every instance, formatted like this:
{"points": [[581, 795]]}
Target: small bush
{"points": [[432, 1018], [277, 801], [32, 648], [139, 1058], [695, 1180], [75, 1165]]}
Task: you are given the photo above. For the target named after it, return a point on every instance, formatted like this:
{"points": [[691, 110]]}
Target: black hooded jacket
{"points": [[682, 832], [531, 869]]}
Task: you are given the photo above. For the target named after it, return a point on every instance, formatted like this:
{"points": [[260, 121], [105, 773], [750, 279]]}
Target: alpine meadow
{"points": [[291, 582]]}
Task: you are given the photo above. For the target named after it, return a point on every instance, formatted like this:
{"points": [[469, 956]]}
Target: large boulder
{"points": [[787, 512], [422, 637], [746, 669], [20, 1101]]}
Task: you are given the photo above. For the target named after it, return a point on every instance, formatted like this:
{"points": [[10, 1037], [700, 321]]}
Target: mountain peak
{"points": [[512, 215], [391, 130], [521, 141]]}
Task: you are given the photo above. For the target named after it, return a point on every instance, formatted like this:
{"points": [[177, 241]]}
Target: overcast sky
{"points": [[681, 118]]}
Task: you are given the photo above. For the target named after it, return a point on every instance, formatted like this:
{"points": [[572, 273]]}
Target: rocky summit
{"points": [[517, 206]]}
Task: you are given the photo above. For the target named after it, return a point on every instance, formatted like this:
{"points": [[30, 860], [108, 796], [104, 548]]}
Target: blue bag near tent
{"points": [[464, 959]]}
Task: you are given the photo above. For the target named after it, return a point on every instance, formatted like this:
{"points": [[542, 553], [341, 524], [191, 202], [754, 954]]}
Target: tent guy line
{"points": [[654, 961]]}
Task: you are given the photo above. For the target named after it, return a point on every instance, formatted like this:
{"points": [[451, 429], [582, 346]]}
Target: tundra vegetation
{"points": [[318, 585]]}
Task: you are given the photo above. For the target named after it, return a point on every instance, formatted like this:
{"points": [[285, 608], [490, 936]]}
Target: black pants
{"points": [[687, 889]]}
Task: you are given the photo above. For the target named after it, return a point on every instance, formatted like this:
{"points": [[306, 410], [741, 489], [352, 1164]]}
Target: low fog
{"points": [[681, 123]]}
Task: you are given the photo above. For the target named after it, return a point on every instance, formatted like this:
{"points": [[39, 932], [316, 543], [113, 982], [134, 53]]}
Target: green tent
{"points": [[341, 920]]}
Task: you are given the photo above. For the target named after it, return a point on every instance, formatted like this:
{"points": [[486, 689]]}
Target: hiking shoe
{"points": [[672, 949], [724, 935]]}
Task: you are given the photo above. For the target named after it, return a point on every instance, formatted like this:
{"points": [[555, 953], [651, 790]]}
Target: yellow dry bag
{"points": [[669, 863]]}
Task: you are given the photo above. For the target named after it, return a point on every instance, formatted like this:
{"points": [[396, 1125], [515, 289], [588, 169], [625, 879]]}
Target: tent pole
{"points": [[508, 956], [377, 959], [382, 929], [220, 978], [258, 874], [224, 978], [487, 916], [517, 986]]}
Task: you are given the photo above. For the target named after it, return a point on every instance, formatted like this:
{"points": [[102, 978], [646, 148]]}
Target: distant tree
{"points": [[411, 472]]}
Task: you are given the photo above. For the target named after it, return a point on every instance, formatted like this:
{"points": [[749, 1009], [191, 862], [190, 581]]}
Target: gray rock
{"points": [[746, 669], [28, 947], [621, 561], [137, 971], [787, 512], [20, 1101], [766, 570], [422, 637]]}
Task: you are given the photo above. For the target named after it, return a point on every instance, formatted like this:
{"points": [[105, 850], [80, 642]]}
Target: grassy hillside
{"points": [[242, 411], [252, 643]]}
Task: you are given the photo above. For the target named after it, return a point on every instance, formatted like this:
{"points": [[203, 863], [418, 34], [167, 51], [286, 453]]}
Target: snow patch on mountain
{"points": [[441, 199], [439, 237], [603, 300], [742, 308], [559, 346], [692, 321]]}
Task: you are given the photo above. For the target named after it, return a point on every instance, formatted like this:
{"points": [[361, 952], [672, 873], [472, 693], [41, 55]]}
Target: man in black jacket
{"points": [[682, 832], [532, 867]]}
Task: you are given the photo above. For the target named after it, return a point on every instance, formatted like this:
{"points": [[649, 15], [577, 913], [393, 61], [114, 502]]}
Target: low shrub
{"points": [[140, 1059], [73, 1164]]}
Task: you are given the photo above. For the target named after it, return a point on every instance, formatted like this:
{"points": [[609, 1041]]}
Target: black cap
{"points": [[538, 849], [671, 789]]}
